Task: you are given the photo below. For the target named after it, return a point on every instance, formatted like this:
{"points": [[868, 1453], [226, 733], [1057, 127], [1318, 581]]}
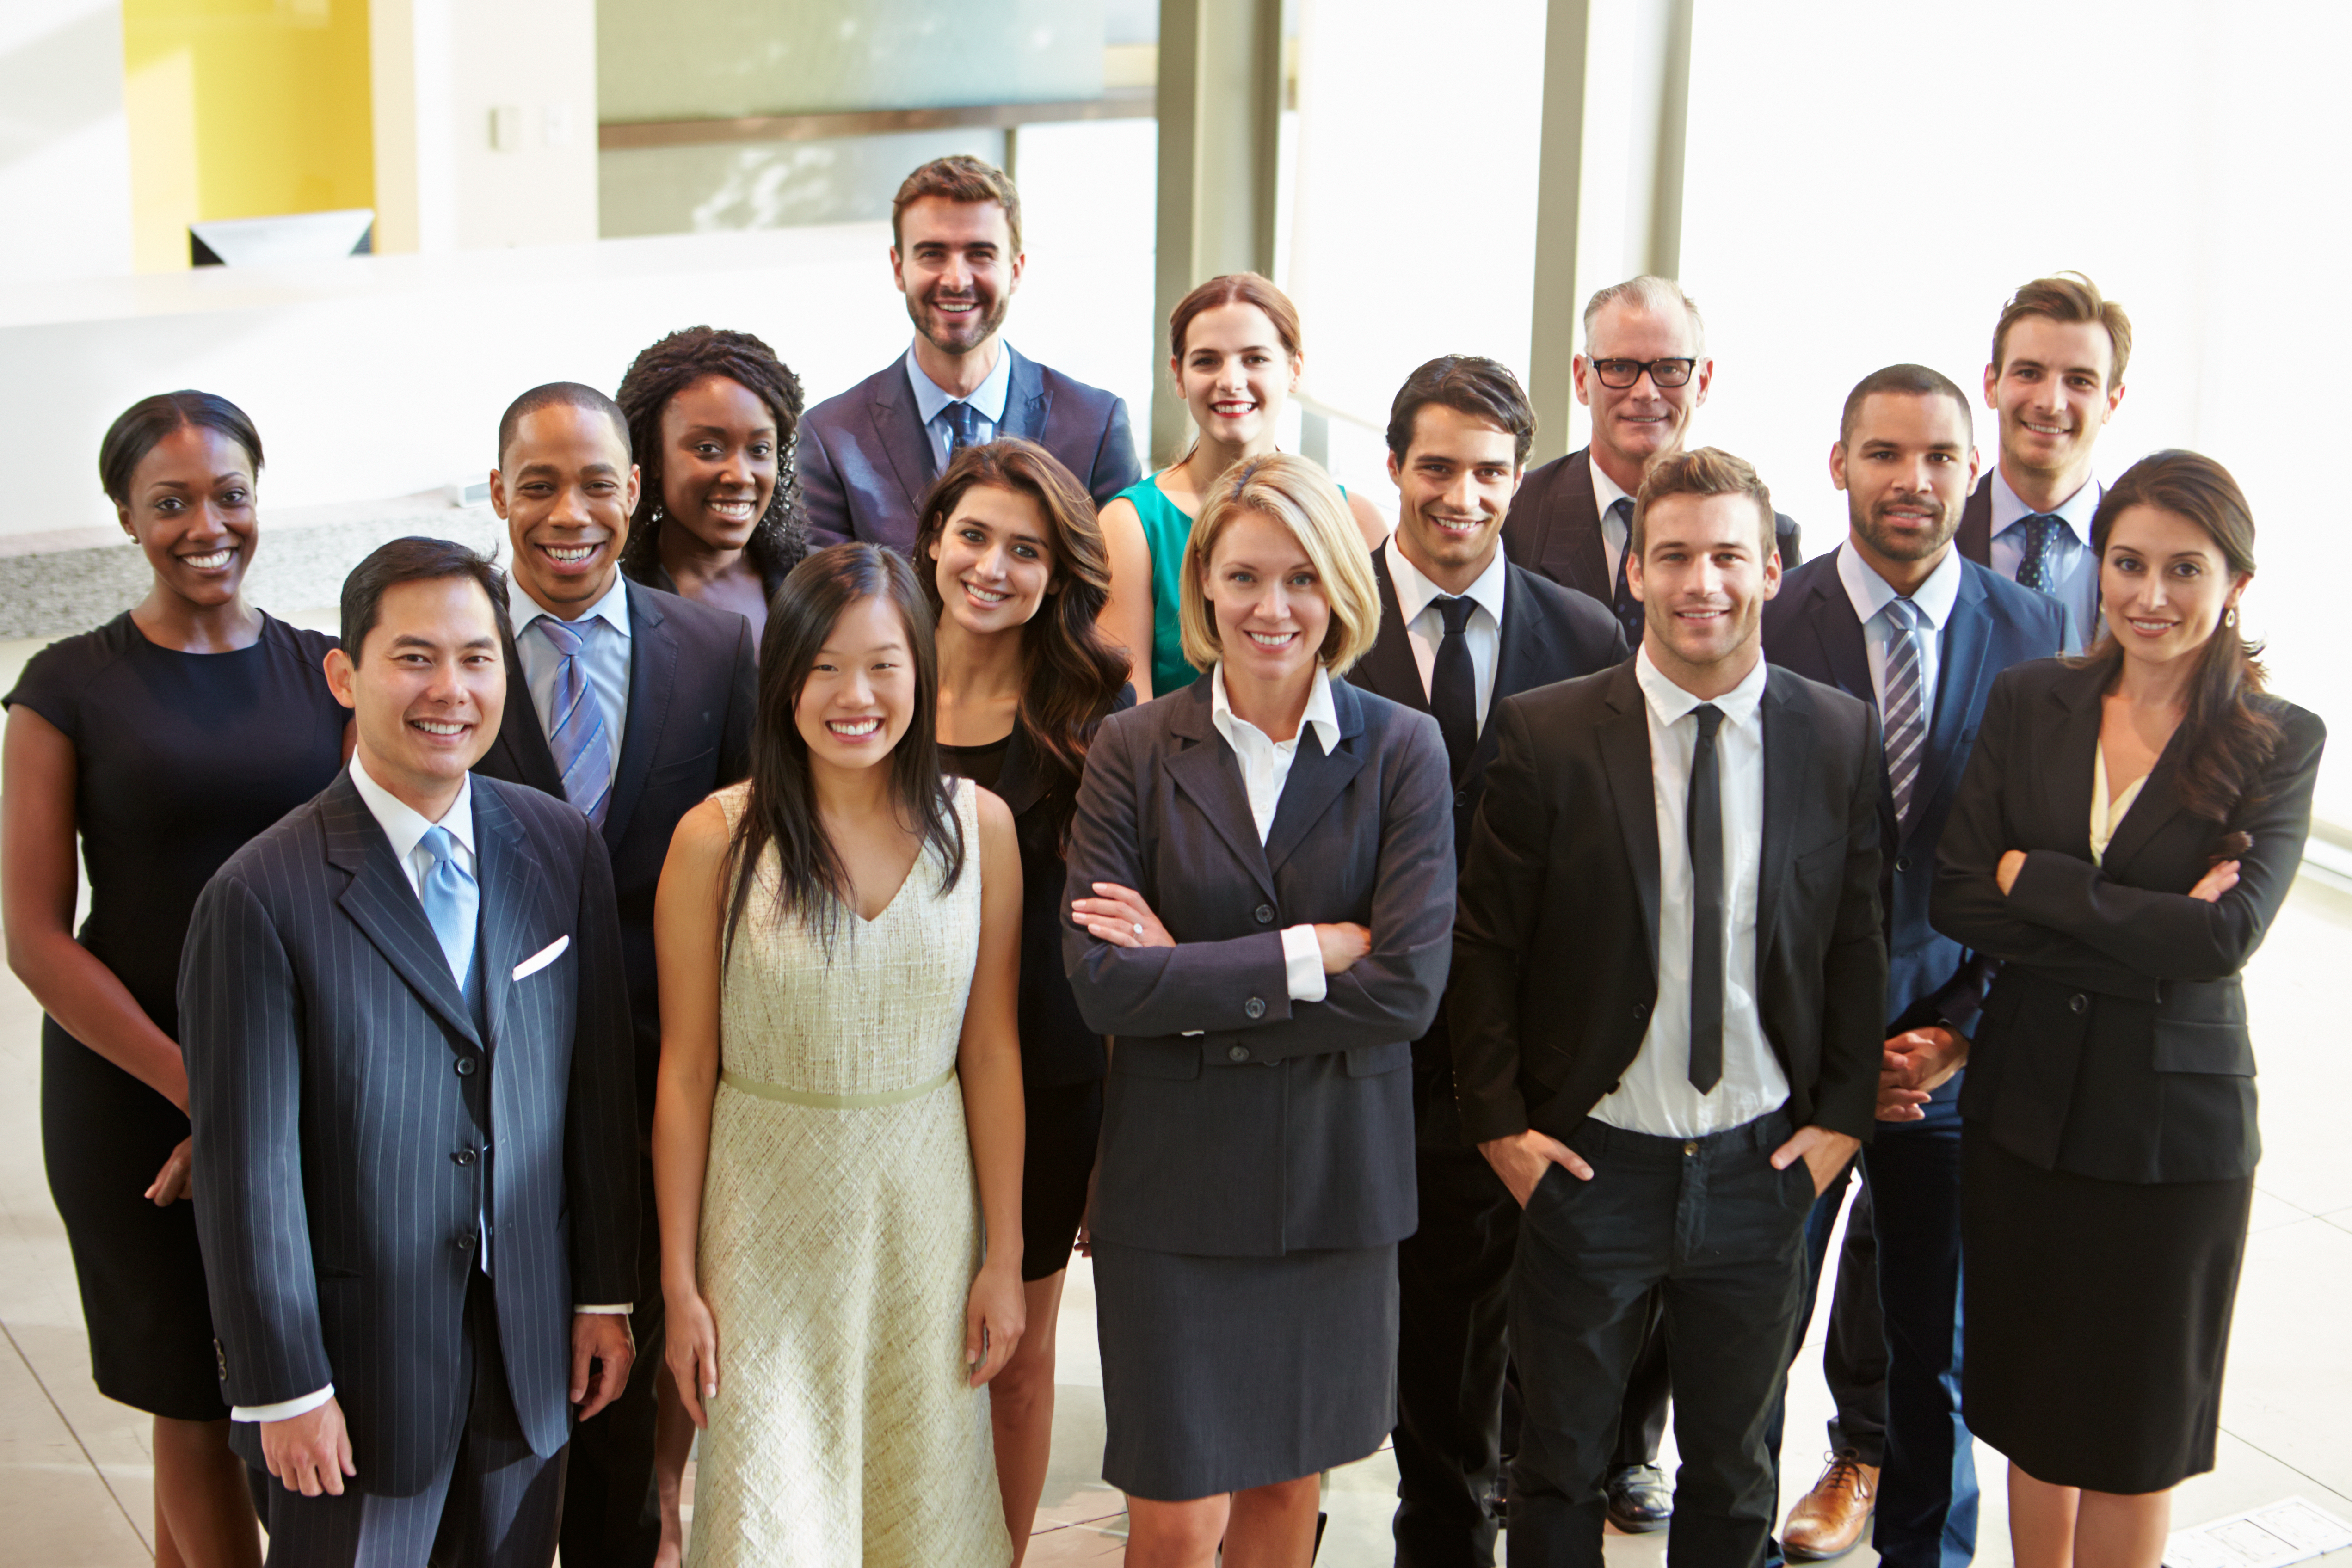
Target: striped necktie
{"points": [[1905, 707], [576, 731]]}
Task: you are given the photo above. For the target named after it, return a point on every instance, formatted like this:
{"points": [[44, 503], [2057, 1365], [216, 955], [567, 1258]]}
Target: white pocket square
{"points": [[542, 958]]}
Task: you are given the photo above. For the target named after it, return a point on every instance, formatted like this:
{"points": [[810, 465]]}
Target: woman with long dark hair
{"points": [[1013, 563], [837, 1129], [2128, 826], [713, 416], [162, 741]]}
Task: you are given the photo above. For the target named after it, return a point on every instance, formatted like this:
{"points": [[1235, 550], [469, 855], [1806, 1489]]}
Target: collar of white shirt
{"points": [[987, 399], [1668, 702], [404, 825], [613, 609], [2076, 509], [1872, 593], [1606, 492], [1321, 714], [1415, 592]]}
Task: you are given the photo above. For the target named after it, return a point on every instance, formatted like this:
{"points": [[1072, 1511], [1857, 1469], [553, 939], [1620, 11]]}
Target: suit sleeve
{"points": [[2170, 935], [1968, 904], [822, 492], [241, 1033], [1501, 894], [600, 1134], [742, 703], [1788, 540], [1854, 971], [1115, 467]]}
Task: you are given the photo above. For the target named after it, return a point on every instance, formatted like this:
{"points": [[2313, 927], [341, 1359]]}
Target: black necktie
{"points": [[1621, 599], [1453, 686], [963, 426], [1703, 823]]}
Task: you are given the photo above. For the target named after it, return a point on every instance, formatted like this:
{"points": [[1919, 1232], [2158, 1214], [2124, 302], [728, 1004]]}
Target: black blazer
{"points": [[343, 1096], [1812, 628], [1554, 528], [1238, 1122], [866, 460], [2114, 1043], [1548, 633], [693, 683], [1555, 943]]}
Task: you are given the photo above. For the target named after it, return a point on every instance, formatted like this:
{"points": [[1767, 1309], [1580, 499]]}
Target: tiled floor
{"points": [[76, 1471]]}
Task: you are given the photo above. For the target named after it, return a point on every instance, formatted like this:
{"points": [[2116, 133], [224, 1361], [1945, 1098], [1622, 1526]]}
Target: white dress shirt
{"points": [[1606, 493], [1424, 623], [603, 629], [1656, 1096], [1871, 594], [2072, 571], [987, 401], [1266, 768], [405, 826]]}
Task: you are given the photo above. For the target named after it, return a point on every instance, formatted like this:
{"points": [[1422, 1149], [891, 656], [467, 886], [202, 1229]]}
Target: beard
{"points": [[981, 324], [1896, 544]]}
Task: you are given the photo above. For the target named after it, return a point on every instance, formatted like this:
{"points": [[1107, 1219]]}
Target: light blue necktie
{"points": [[453, 902], [576, 731], [1905, 712]]}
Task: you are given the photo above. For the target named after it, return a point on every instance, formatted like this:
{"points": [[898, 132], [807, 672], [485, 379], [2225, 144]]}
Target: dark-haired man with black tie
{"points": [[1461, 629], [1665, 1010], [2056, 378], [1898, 618]]}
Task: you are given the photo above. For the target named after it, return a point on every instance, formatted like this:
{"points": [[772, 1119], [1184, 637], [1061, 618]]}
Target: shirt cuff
{"points": [[621, 1311], [285, 1409], [1302, 962]]}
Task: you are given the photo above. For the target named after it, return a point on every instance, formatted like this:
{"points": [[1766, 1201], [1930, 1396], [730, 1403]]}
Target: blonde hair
{"points": [[1301, 496]]}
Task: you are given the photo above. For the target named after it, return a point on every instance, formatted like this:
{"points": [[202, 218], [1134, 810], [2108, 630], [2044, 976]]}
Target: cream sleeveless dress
{"points": [[840, 1233]]}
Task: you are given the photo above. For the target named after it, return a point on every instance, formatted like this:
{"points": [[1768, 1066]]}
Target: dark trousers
{"points": [[1453, 1273], [612, 1516], [493, 1504], [1928, 1493], [1720, 1234]]}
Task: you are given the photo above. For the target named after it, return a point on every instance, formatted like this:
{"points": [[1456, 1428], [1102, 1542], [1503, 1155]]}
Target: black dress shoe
{"points": [[1639, 1500]]}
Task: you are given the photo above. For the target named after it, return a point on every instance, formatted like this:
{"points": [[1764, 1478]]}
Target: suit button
{"points": [[1641, 1011], [1690, 1148], [464, 1157], [2078, 1002], [1265, 912], [1237, 1053], [467, 1240], [1462, 799], [1255, 1006], [1903, 862], [465, 1067]]}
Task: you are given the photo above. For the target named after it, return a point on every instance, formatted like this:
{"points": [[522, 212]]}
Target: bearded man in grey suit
{"points": [[410, 1076]]}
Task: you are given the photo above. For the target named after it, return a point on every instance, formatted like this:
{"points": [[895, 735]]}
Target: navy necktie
{"points": [[963, 426], [1453, 684], [2033, 565], [1621, 599], [1702, 822]]}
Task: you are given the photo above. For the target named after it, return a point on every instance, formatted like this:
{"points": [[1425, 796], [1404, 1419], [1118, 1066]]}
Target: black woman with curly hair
{"points": [[713, 415]]}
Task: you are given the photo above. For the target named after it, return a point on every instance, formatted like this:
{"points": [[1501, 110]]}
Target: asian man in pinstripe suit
{"points": [[407, 1039]]}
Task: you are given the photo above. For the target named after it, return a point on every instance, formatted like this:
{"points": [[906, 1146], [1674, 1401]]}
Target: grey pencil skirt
{"points": [[1224, 1373]]}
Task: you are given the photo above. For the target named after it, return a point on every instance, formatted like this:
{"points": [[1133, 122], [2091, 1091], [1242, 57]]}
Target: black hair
{"points": [[415, 560], [135, 432], [1905, 381], [573, 394], [1468, 384], [782, 807], [780, 538]]}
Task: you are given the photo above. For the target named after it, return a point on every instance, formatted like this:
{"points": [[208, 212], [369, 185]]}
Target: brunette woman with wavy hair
{"points": [[2128, 826], [1013, 563], [837, 1129]]}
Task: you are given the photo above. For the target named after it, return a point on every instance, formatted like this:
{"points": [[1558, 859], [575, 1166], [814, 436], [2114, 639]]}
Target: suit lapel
{"points": [[899, 426], [2157, 804], [1389, 668], [1573, 549], [512, 885], [1316, 778], [384, 907], [1626, 755], [522, 734], [1027, 403], [653, 677], [1959, 673], [1208, 772], [1975, 537], [1524, 648], [2068, 754], [1789, 773]]}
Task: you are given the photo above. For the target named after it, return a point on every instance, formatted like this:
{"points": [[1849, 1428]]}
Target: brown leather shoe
{"points": [[1828, 1520]]}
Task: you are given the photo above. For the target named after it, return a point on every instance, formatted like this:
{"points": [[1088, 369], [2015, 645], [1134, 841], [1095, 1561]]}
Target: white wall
{"points": [[65, 149]]}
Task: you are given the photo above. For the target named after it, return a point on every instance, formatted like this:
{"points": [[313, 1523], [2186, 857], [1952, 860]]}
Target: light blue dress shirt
{"points": [[2073, 571], [605, 631], [1871, 594], [987, 401]]}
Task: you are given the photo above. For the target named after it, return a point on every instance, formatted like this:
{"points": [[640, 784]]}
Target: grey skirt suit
{"points": [[1256, 1170]]}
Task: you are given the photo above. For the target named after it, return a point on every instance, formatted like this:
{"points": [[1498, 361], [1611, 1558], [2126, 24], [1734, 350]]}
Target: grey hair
{"points": [[1647, 292]]}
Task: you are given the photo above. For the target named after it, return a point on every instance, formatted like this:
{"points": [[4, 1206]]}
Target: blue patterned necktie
{"points": [[1905, 708], [1628, 608], [2033, 554], [963, 426], [452, 900], [576, 731]]}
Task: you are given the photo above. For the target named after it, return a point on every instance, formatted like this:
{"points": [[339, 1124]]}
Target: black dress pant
{"points": [[494, 1503], [1710, 1225], [1454, 1274], [612, 1515]]}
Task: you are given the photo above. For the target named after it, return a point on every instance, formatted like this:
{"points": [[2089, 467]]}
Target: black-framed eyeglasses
{"points": [[1619, 374]]}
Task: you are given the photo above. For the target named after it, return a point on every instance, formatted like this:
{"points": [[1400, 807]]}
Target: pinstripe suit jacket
{"points": [[352, 1122]]}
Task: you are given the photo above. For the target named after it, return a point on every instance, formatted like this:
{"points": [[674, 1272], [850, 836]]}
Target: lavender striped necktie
{"points": [[1905, 707], [576, 731]]}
